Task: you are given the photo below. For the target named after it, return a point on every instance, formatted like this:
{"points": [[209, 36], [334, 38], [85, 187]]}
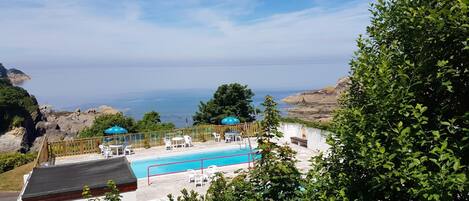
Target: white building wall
{"points": [[316, 137]]}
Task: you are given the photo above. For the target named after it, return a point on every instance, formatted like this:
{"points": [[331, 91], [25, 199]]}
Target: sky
{"points": [[169, 44]]}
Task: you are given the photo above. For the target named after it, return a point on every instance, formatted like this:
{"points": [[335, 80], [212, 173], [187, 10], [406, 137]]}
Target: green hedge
{"points": [[313, 124], [10, 161]]}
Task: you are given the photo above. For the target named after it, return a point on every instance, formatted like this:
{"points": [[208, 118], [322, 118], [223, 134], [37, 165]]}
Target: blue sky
{"points": [[227, 39]]}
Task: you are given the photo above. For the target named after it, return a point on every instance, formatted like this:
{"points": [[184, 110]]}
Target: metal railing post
{"points": [[202, 165]]}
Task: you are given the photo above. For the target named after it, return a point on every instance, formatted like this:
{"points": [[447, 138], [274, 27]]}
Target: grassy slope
{"points": [[13, 179]]}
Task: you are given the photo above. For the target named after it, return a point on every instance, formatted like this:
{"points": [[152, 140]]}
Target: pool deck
{"points": [[163, 185]]}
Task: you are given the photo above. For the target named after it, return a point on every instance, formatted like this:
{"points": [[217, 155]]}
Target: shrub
{"points": [[402, 131], [10, 161]]}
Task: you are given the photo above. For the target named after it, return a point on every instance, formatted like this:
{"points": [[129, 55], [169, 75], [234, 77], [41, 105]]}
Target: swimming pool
{"points": [[140, 167]]}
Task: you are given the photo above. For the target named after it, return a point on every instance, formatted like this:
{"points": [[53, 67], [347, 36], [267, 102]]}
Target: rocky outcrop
{"points": [[316, 105], [15, 76], [12, 141], [59, 125], [56, 125]]}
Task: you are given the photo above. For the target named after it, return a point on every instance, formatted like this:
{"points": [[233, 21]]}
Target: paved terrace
{"points": [[161, 186]]}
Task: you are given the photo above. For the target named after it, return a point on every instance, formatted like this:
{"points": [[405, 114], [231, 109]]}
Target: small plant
{"points": [[112, 195], [17, 121]]}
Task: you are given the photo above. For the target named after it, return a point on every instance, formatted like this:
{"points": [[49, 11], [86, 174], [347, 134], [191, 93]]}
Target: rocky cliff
{"points": [[56, 125], [316, 105], [60, 125], [15, 76]]}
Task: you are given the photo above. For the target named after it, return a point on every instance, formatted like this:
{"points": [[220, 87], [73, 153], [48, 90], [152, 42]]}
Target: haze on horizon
{"points": [[113, 46]]}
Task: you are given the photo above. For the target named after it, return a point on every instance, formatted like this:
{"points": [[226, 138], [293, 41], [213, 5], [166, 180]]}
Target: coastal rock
{"points": [[3, 71], [104, 109], [59, 125], [316, 105], [15, 76], [12, 141]]}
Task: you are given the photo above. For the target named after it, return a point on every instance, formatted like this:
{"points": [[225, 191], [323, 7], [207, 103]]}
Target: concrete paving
{"points": [[161, 186], [9, 196]]}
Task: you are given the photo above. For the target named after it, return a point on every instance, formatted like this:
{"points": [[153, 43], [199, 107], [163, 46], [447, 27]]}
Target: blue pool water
{"points": [[140, 167]]}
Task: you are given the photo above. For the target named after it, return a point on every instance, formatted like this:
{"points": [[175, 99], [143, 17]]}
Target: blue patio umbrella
{"points": [[230, 121], [115, 130]]}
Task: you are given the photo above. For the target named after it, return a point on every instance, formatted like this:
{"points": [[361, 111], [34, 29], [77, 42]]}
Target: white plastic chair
{"points": [[228, 138], [199, 180], [107, 152], [167, 144], [212, 170], [191, 173], [128, 149], [187, 141], [217, 137], [101, 147]]}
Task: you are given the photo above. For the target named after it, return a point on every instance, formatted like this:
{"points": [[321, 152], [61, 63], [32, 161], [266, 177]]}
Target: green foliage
{"points": [[151, 122], [187, 196], [229, 100], [9, 161], [274, 177], [16, 105], [402, 132], [312, 124], [86, 194], [106, 121], [113, 193]]}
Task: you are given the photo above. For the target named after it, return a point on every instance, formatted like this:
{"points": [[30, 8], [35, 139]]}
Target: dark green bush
{"points": [[10, 161]]}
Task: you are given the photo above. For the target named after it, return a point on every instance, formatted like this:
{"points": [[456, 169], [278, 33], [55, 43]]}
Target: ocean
{"points": [[176, 106], [174, 92]]}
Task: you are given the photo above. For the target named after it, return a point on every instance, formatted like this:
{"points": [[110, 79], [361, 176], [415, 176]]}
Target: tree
{"points": [[229, 100], [402, 132], [106, 121], [275, 176], [151, 122]]}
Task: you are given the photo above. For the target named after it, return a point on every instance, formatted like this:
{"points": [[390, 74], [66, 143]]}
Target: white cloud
{"points": [[61, 31]]}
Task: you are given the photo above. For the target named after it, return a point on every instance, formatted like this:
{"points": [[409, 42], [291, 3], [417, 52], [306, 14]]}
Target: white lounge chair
{"points": [[217, 137], [128, 149], [167, 144], [191, 173], [187, 141]]}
